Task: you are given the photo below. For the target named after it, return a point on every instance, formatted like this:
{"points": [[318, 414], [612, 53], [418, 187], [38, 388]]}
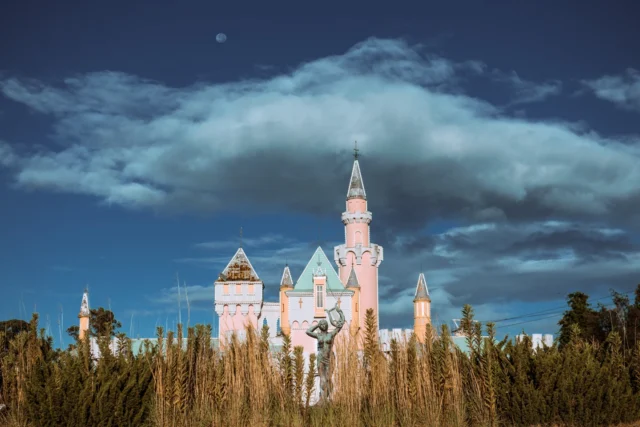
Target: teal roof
{"points": [[305, 281]]}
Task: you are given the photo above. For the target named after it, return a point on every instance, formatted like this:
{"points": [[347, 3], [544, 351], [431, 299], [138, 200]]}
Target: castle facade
{"points": [[239, 291]]}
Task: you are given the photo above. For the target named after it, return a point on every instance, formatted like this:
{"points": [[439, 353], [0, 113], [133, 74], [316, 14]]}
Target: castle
{"points": [[353, 287], [239, 291]]}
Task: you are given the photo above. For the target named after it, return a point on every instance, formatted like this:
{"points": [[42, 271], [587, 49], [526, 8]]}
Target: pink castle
{"points": [[239, 291], [354, 287]]}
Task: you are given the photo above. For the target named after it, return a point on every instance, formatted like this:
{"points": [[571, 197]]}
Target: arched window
{"points": [[358, 237], [278, 330], [264, 322]]}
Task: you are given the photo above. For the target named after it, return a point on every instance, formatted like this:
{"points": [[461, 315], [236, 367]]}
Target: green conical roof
{"points": [[319, 261]]}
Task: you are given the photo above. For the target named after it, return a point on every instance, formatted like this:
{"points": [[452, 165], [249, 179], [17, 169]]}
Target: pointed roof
{"points": [[286, 281], [422, 292], [319, 262], [84, 306], [356, 185], [239, 268], [352, 282]]}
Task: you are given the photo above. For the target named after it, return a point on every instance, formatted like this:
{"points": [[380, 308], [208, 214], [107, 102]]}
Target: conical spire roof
{"points": [[422, 292], [286, 281], [84, 306], [352, 282], [356, 185], [239, 268]]}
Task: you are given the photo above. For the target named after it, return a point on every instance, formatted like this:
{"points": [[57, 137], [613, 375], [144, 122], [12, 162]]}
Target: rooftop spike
{"points": [[287, 280], [422, 292], [352, 282], [356, 185], [84, 306]]}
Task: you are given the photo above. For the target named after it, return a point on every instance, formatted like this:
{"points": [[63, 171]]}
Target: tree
{"points": [[581, 314], [10, 328], [101, 323]]}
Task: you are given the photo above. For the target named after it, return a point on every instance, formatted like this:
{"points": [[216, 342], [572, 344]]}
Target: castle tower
{"points": [[358, 251], [286, 284], [84, 315], [421, 308], [238, 296]]}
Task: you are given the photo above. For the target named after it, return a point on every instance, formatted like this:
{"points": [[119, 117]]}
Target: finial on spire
{"points": [[240, 236], [355, 151]]}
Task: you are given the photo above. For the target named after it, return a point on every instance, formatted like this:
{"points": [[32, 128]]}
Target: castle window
{"points": [[278, 330], [250, 290], [264, 322], [225, 289], [319, 297], [238, 288]]}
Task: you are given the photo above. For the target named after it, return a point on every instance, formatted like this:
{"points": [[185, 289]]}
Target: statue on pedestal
{"points": [[325, 350]]}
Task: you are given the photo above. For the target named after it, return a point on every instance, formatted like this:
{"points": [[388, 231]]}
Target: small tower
{"points": [[84, 315], [286, 284], [421, 308], [238, 296], [354, 285]]}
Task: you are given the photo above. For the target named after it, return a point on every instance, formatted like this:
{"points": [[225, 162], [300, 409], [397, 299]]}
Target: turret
{"points": [[358, 253], [84, 315], [286, 284], [421, 308]]}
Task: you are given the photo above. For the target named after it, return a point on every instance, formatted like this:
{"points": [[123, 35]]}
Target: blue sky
{"points": [[500, 149]]}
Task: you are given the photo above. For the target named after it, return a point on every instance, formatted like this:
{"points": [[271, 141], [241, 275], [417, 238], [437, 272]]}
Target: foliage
{"points": [[184, 379], [596, 324], [102, 323]]}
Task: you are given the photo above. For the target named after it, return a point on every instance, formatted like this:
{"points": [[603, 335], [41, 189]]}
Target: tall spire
{"points": [[84, 306], [422, 292], [287, 281], [356, 185]]}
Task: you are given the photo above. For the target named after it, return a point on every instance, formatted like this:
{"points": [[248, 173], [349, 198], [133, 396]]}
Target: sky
{"points": [[499, 146]]}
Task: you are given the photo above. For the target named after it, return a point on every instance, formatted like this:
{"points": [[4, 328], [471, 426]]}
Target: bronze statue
{"points": [[325, 344]]}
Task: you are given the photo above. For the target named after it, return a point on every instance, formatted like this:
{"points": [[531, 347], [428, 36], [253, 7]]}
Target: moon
{"points": [[221, 38]]}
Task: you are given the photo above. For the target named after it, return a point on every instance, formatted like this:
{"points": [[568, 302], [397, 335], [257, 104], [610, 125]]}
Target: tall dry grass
{"points": [[184, 381]]}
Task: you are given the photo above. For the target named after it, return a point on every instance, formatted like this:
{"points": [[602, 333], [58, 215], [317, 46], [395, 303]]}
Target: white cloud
{"points": [[266, 143], [623, 90], [527, 91], [429, 151]]}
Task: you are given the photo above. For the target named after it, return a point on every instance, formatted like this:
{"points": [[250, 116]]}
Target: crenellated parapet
{"points": [[375, 251], [356, 217]]}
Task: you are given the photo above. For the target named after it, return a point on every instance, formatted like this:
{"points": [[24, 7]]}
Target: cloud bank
{"points": [[543, 205]]}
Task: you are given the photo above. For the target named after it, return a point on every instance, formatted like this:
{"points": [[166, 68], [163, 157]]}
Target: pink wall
{"points": [[352, 228], [356, 205]]}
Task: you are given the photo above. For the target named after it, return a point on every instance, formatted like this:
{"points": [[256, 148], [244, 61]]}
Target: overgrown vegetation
{"points": [[182, 380]]}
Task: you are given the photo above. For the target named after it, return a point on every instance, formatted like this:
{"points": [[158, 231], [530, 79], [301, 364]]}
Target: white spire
{"points": [[286, 281], [356, 185], [422, 292], [84, 306]]}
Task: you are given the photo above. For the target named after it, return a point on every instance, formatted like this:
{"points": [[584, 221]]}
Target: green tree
{"points": [[581, 314], [102, 323], [11, 328]]}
